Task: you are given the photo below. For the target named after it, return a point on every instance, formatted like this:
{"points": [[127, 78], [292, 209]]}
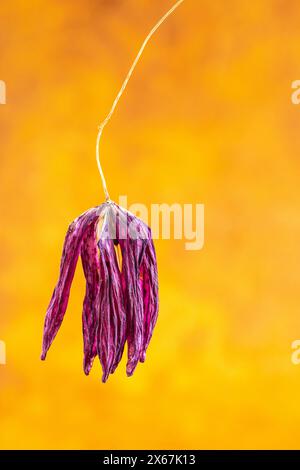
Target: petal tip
{"points": [[130, 369], [105, 377], [143, 356]]}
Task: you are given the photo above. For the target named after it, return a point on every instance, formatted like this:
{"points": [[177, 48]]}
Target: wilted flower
{"points": [[121, 299]]}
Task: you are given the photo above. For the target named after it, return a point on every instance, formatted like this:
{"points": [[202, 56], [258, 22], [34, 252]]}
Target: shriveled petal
{"points": [[134, 237], [91, 304], [133, 303], [59, 301], [149, 286], [112, 330]]}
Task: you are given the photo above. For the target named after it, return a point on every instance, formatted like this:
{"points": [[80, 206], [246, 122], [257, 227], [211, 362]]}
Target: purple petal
{"points": [[149, 286], [141, 299], [91, 304], [59, 301], [112, 331]]}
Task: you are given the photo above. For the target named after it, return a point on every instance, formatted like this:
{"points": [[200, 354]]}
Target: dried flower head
{"points": [[121, 299]]}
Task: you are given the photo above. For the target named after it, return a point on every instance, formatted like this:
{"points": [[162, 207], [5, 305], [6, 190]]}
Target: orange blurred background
{"points": [[207, 118]]}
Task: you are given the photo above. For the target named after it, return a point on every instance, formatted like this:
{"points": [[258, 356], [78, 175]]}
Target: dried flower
{"points": [[121, 299], [119, 263]]}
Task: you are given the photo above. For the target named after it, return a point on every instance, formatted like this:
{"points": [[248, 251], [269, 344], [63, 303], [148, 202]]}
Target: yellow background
{"points": [[207, 118]]}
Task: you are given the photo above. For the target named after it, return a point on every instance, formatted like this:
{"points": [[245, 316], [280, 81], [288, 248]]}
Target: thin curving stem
{"points": [[103, 124]]}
